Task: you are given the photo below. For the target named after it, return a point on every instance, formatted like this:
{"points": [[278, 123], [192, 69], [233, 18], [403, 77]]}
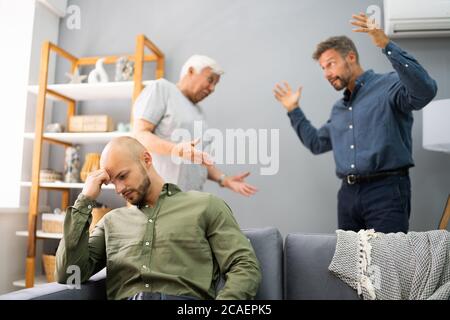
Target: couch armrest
{"points": [[93, 289]]}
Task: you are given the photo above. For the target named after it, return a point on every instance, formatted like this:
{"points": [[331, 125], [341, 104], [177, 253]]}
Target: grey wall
{"points": [[260, 43]]}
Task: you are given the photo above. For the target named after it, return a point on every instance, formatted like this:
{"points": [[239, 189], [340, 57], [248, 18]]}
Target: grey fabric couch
{"points": [[300, 271], [306, 275]]}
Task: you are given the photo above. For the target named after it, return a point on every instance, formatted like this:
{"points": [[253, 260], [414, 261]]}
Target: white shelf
{"points": [[23, 209], [41, 234], [91, 91], [81, 137], [39, 280], [63, 185]]}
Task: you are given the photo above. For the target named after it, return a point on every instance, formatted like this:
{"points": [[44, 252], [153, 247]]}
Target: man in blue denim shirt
{"points": [[369, 129]]}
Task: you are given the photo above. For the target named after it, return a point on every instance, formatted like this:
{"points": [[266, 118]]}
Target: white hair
{"points": [[199, 62]]}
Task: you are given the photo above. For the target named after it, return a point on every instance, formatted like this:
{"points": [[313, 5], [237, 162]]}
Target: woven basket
{"points": [[52, 223], [49, 262]]}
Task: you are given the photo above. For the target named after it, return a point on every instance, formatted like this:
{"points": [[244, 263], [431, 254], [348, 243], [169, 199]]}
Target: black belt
{"points": [[352, 178]]}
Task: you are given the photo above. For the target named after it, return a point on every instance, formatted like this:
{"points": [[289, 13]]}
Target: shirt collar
{"points": [[359, 82], [363, 78], [168, 189]]}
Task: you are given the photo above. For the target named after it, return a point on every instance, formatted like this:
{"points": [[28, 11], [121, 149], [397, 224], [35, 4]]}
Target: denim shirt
{"points": [[369, 129]]}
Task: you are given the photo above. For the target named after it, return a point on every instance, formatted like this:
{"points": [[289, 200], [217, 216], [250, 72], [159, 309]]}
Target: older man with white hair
{"points": [[162, 108]]}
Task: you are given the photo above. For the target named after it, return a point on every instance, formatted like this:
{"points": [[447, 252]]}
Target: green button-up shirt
{"points": [[179, 247]]}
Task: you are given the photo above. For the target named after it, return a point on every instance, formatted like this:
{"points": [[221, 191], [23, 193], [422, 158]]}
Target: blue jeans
{"points": [[383, 205]]}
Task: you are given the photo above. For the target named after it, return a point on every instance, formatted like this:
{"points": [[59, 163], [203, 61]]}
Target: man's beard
{"points": [[141, 191], [341, 82]]}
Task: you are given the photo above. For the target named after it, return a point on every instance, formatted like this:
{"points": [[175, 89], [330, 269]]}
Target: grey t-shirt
{"points": [[164, 105]]}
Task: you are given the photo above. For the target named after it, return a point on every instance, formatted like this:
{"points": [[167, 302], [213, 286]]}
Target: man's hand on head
{"points": [[368, 25], [94, 181]]}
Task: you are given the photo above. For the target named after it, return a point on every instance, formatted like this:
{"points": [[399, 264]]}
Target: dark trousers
{"points": [[383, 205]]}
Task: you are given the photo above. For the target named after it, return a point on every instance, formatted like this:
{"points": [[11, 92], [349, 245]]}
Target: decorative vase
{"points": [[98, 74], [72, 164]]}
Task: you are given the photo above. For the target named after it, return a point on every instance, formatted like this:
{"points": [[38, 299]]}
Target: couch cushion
{"points": [[94, 289], [306, 275], [268, 246]]}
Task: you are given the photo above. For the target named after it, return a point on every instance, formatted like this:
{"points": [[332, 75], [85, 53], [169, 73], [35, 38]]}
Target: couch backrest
{"points": [[268, 246], [306, 275]]}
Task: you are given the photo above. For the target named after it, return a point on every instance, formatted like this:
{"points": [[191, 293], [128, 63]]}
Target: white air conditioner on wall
{"points": [[417, 18]]}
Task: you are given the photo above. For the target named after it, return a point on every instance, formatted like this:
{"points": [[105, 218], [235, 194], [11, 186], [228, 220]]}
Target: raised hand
{"points": [[286, 97], [369, 26], [92, 186], [238, 185]]}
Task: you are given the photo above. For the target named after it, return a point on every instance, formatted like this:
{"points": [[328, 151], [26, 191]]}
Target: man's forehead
{"points": [[114, 172], [328, 55], [208, 71], [114, 165]]}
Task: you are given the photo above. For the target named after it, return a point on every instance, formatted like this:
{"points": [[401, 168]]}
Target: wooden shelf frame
{"points": [[139, 57], [77, 138], [443, 223]]}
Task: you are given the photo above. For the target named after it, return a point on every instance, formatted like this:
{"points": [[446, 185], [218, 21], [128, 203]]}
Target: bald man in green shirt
{"points": [[169, 245]]}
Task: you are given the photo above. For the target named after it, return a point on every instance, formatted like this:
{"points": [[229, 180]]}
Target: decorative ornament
{"points": [[75, 77], [99, 73], [124, 69]]}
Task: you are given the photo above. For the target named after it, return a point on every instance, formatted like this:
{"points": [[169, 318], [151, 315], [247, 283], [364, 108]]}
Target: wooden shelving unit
{"points": [[40, 234], [70, 94], [60, 185], [79, 137], [90, 91]]}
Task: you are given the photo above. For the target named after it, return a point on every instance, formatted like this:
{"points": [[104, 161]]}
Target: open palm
{"points": [[288, 98]]}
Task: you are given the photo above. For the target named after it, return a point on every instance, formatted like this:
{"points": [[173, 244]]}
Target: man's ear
{"points": [[147, 157], [351, 56], [191, 71]]}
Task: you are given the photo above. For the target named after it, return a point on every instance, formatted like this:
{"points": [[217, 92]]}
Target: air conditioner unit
{"points": [[417, 18]]}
